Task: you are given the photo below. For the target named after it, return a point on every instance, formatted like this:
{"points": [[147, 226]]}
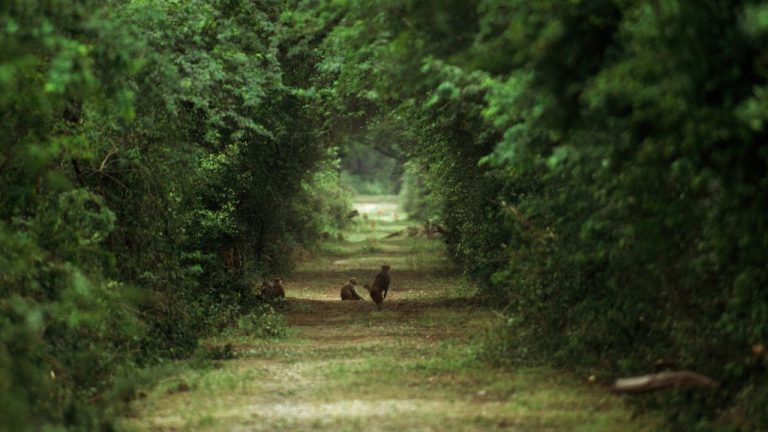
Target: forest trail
{"points": [[346, 367]]}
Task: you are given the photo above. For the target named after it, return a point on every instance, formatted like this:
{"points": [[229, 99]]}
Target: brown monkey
{"points": [[228, 256], [266, 291], [382, 280], [348, 291], [277, 288], [378, 289], [376, 295], [271, 292]]}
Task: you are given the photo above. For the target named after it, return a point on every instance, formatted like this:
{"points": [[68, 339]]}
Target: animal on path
{"points": [[277, 288], [348, 290], [380, 286], [382, 279], [376, 295], [272, 292]]}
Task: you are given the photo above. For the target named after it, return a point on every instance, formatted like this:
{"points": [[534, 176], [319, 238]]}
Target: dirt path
{"points": [[347, 367]]}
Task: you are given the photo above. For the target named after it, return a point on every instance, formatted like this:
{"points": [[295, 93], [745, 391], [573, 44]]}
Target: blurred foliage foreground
{"points": [[600, 168]]}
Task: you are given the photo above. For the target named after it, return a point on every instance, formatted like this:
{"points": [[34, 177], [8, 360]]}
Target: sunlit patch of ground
{"points": [[347, 367], [379, 208]]}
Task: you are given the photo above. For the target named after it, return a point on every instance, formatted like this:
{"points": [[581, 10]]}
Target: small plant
{"points": [[264, 321]]}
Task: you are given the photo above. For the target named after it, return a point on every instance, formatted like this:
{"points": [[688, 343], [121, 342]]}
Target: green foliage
{"points": [[325, 199], [215, 352], [156, 158], [364, 186], [601, 170], [264, 321], [369, 172], [418, 200]]}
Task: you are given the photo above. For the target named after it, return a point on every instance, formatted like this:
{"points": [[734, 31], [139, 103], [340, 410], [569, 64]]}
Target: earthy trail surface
{"points": [[346, 367]]}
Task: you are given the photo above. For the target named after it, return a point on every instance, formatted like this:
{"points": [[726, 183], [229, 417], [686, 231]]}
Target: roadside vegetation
{"points": [[157, 158], [600, 169]]}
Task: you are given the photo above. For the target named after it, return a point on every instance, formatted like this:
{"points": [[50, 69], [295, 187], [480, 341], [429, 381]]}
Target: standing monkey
{"points": [[348, 291], [376, 295], [382, 279], [380, 286]]}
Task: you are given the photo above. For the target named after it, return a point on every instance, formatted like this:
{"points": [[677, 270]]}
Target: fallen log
{"points": [[661, 381], [395, 234]]}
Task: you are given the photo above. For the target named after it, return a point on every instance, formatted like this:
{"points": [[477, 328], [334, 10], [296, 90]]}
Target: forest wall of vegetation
{"points": [[155, 157], [601, 166]]}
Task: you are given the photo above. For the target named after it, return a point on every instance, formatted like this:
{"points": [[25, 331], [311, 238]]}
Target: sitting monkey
{"points": [[348, 291], [265, 291], [277, 289], [272, 292]]}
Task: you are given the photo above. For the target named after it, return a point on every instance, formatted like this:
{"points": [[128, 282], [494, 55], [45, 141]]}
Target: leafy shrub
{"points": [[417, 199], [264, 321], [153, 155]]}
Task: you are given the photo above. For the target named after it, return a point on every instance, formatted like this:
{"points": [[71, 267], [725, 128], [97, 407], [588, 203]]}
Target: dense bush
{"points": [[601, 168], [264, 321], [156, 157], [416, 196]]}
